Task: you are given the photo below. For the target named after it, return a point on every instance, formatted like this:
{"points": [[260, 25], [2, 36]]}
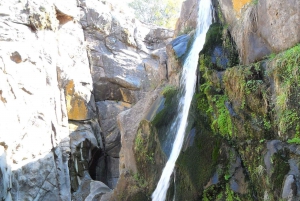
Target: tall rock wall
{"points": [[67, 69]]}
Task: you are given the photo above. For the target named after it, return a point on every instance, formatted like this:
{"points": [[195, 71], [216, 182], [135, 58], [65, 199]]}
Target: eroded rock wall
{"points": [[67, 69], [57, 60]]}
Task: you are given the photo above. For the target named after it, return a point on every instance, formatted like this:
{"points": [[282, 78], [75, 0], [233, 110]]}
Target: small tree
{"points": [[160, 12]]}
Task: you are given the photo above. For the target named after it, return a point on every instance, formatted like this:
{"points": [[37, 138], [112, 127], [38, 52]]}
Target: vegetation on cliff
{"points": [[160, 12]]}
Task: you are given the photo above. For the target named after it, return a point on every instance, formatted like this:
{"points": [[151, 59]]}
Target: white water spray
{"points": [[188, 81]]}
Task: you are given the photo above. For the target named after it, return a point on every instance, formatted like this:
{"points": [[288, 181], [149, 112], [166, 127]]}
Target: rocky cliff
{"points": [[87, 93], [246, 112], [67, 70]]}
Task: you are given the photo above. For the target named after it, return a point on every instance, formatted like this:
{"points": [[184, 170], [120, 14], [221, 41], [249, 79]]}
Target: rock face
{"points": [[120, 50], [253, 107], [34, 128], [262, 27], [63, 68], [109, 111], [81, 90], [188, 17]]}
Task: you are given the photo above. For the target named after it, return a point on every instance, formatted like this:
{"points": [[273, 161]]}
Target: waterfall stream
{"points": [[187, 83]]}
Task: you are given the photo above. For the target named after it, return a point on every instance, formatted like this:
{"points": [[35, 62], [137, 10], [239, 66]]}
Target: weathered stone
{"points": [[120, 54], [108, 120], [289, 190], [113, 171], [132, 117], [76, 80], [180, 45], [188, 17], [262, 28], [173, 66], [38, 180], [90, 190]]}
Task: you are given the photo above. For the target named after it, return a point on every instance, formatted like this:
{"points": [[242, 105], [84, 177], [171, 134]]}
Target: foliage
{"points": [[253, 86], [160, 12], [167, 90], [295, 140], [223, 122], [254, 2], [284, 67], [142, 183], [219, 49]]}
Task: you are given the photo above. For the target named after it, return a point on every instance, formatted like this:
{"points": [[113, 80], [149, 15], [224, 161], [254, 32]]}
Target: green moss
{"points": [[295, 140], [287, 120], [166, 115], [284, 68], [192, 173], [219, 49], [213, 37], [280, 169], [149, 157], [216, 151], [223, 122]]}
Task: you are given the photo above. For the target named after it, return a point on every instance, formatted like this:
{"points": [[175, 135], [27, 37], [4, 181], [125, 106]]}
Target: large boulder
{"points": [[141, 158], [90, 190], [132, 117], [262, 27]]}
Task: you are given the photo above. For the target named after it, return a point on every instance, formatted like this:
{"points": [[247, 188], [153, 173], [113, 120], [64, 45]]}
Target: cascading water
{"points": [[187, 83]]}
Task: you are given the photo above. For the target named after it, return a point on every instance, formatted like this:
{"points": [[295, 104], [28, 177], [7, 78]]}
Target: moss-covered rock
{"points": [[250, 108], [219, 51], [149, 160], [195, 166], [149, 155]]}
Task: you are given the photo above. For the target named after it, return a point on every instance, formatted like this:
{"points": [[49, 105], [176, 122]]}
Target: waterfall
{"points": [[187, 83]]}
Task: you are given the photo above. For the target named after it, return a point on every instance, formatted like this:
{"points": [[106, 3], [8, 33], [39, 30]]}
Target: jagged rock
{"points": [[86, 148], [90, 190], [120, 53], [180, 44], [40, 180], [75, 79], [173, 65], [33, 112], [42, 52]]}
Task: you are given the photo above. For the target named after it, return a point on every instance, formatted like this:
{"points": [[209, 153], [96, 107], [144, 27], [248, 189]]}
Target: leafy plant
{"points": [[223, 121], [295, 140]]}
